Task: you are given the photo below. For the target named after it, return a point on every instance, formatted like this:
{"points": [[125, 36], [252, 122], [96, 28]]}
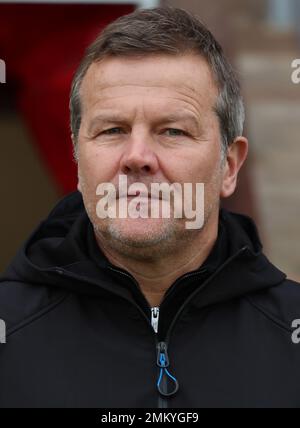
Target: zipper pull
{"points": [[167, 384], [155, 318]]}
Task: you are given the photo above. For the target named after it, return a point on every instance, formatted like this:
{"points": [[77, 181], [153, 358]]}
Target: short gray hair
{"points": [[172, 31]]}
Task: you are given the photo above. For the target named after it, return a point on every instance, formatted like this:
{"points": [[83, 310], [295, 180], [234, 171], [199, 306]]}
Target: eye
{"points": [[111, 131], [174, 132]]}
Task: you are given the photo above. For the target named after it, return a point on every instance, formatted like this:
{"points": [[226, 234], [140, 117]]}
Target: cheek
{"points": [[96, 167], [198, 167], [206, 168]]}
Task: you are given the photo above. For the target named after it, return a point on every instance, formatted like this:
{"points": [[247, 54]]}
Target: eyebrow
{"points": [[107, 117], [185, 116], [114, 117]]}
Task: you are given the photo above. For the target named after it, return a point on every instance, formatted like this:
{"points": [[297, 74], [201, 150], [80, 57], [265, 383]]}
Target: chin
{"points": [[141, 231]]}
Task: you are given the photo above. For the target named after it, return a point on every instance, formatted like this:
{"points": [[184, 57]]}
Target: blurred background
{"points": [[42, 43]]}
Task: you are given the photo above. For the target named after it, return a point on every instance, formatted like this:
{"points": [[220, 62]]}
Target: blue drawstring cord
{"points": [[163, 369]]}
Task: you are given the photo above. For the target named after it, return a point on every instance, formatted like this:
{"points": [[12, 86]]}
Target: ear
{"points": [[235, 157]]}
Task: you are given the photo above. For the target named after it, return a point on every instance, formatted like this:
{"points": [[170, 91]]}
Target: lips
{"points": [[138, 194]]}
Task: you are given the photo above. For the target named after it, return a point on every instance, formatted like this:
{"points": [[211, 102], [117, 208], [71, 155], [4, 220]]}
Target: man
{"points": [[145, 311]]}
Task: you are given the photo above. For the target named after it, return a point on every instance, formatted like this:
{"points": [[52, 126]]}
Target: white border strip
{"points": [[140, 3]]}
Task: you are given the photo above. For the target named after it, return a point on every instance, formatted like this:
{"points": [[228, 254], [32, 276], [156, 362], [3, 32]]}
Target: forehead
{"points": [[187, 77]]}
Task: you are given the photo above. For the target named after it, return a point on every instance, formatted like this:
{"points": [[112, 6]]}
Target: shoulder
{"points": [[280, 302], [22, 303]]}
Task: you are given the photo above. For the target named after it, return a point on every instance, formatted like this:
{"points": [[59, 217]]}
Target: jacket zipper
{"points": [[162, 362], [155, 318], [162, 347], [154, 322]]}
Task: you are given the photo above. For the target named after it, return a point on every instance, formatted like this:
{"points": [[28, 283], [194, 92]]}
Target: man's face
{"points": [[151, 119]]}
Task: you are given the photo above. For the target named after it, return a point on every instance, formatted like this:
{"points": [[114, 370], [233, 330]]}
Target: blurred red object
{"points": [[42, 46]]}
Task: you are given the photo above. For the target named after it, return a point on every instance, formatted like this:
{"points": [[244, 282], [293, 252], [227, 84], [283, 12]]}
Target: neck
{"points": [[155, 276]]}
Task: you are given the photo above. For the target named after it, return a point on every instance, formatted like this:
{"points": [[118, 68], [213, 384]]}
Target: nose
{"points": [[139, 156]]}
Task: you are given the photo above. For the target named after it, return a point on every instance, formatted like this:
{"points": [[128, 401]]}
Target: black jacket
{"points": [[79, 330]]}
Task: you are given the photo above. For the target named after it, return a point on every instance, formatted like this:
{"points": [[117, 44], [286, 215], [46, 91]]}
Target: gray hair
{"points": [[172, 31]]}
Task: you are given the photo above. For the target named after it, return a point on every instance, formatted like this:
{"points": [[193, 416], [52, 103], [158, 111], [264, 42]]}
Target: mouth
{"points": [[140, 195]]}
